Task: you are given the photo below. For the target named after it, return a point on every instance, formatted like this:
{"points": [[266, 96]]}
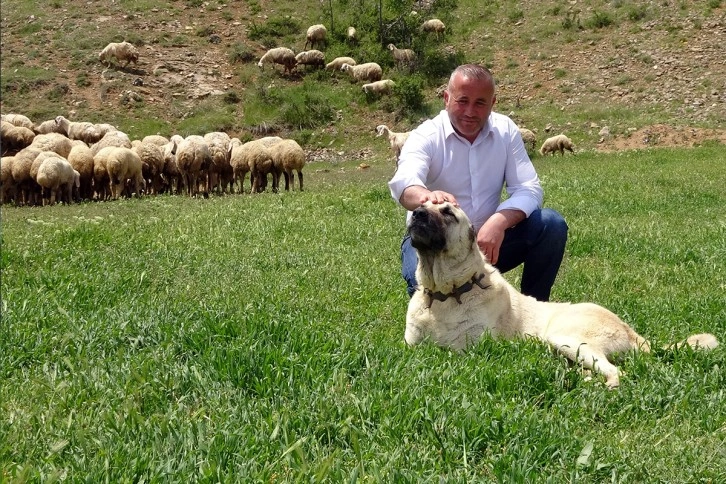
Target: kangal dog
{"points": [[461, 296]]}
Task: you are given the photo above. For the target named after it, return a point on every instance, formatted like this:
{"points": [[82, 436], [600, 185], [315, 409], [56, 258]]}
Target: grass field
{"points": [[259, 338]]}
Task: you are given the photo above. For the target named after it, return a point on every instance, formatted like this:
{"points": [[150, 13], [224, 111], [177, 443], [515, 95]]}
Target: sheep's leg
{"points": [[288, 175], [300, 179]]}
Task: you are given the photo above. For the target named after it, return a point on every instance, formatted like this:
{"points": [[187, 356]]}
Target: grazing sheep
{"points": [[101, 179], [254, 157], [82, 130], [279, 55], [15, 138], [396, 139], [25, 184], [49, 126], [152, 163], [338, 62], [122, 165], [370, 71], [316, 34], [192, 157], [405, 57], [434, 25], [7, 184], [81, 159], [157, 139], [121, 52], [220, 170], [528, 137], [352, 35], [171, 173], [17, 120], [288, 156], [53, 142], [384, 86], [58, 178], [311, 57], [557, 143], [112, 138]]}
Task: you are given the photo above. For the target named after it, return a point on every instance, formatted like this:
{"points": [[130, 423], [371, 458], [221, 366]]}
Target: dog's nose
{"points": [[419, 213]]}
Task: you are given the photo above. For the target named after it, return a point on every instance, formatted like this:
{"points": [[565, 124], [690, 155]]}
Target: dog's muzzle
{"points": [[427, 230]]}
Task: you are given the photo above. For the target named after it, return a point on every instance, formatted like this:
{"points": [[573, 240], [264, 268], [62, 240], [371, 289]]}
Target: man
{"points": [[465, 156]]}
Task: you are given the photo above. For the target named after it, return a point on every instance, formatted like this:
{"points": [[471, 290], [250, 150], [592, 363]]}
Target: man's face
{"points": [[469, 103]]}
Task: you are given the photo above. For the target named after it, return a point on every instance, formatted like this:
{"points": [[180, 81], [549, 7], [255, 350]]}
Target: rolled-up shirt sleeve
{"points": [[413, 163], [524, 191]]}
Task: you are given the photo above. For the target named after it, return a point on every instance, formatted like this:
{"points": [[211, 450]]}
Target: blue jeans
{"points": [[538, 242]]}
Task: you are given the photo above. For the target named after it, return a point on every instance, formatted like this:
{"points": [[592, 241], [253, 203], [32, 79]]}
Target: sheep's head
{"points": [[381, 130], [391, 47], [345, 67]]}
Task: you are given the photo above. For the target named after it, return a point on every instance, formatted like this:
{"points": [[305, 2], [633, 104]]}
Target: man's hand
{"points": [[491, 234], [415, 196]]}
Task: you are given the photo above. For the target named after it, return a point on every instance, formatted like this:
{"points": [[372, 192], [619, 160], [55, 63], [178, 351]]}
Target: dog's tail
{"points": [[703, 341]]}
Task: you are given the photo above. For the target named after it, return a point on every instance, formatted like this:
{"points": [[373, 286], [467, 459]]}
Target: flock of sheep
{"points": [[62, 160], [369, 72]]}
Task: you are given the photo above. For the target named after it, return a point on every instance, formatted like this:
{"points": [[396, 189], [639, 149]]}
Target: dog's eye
{"points": [[446, 211]]}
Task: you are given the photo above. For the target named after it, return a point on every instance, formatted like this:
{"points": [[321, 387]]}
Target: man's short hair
{"points": [[472, 71]]}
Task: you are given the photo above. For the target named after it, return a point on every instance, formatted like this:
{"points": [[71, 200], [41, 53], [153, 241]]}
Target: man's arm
{"points": [[416, 195]]}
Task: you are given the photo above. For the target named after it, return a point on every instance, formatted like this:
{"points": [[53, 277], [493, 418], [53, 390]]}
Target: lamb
{"points": [[124, 164], [557, 143], [352, 35], [311, 57], [396, 139], [279, 55], [57, 176], [192, 156], [81, 159], [121, 52], [17, 120], [528, 137], [220, 170], [337, 63], [405, 57], [384, 86], [152, 163], [434, 25], [316, 34], [370, 71], [288, 156]]}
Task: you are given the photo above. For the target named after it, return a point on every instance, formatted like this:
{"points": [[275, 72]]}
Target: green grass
{"points": [[259, 338]]}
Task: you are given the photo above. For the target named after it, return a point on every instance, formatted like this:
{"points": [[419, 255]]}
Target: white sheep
{"points": [[528, 137], [121, 52], [157, 139], [288, 156], [384, 86], [25, 184], [396, 139], [15, 138], [370, 71], [101, 180], [337, 63], [49, 126], [311, 57], [316, 34], [122, 165], [152, 163], [17, 120], [7, 184], [81, 159], [557, 143], [220, 170], [82, 130], [241, 154], [57, 176], [402, 57], [434, 25], [112, 138], [279, 55], [53, 142], [351, 34], [192, 157], [171, 173]]}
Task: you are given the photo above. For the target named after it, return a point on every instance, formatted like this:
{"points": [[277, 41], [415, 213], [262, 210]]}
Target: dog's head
{"points": [[436, 227]]}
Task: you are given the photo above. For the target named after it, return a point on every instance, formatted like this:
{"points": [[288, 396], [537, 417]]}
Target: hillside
{"points": [[654, 73]]}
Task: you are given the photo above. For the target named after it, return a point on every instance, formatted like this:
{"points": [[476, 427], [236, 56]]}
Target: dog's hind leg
{"points": [[588, 357]]}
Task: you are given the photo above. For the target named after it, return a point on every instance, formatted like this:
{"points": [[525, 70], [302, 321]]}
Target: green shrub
{"points": [[275, 27], [241, 53], [599, 20], [409, 93]]}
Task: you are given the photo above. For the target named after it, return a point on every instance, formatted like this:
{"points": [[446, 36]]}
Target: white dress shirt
{"points": [[437, 158]]}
